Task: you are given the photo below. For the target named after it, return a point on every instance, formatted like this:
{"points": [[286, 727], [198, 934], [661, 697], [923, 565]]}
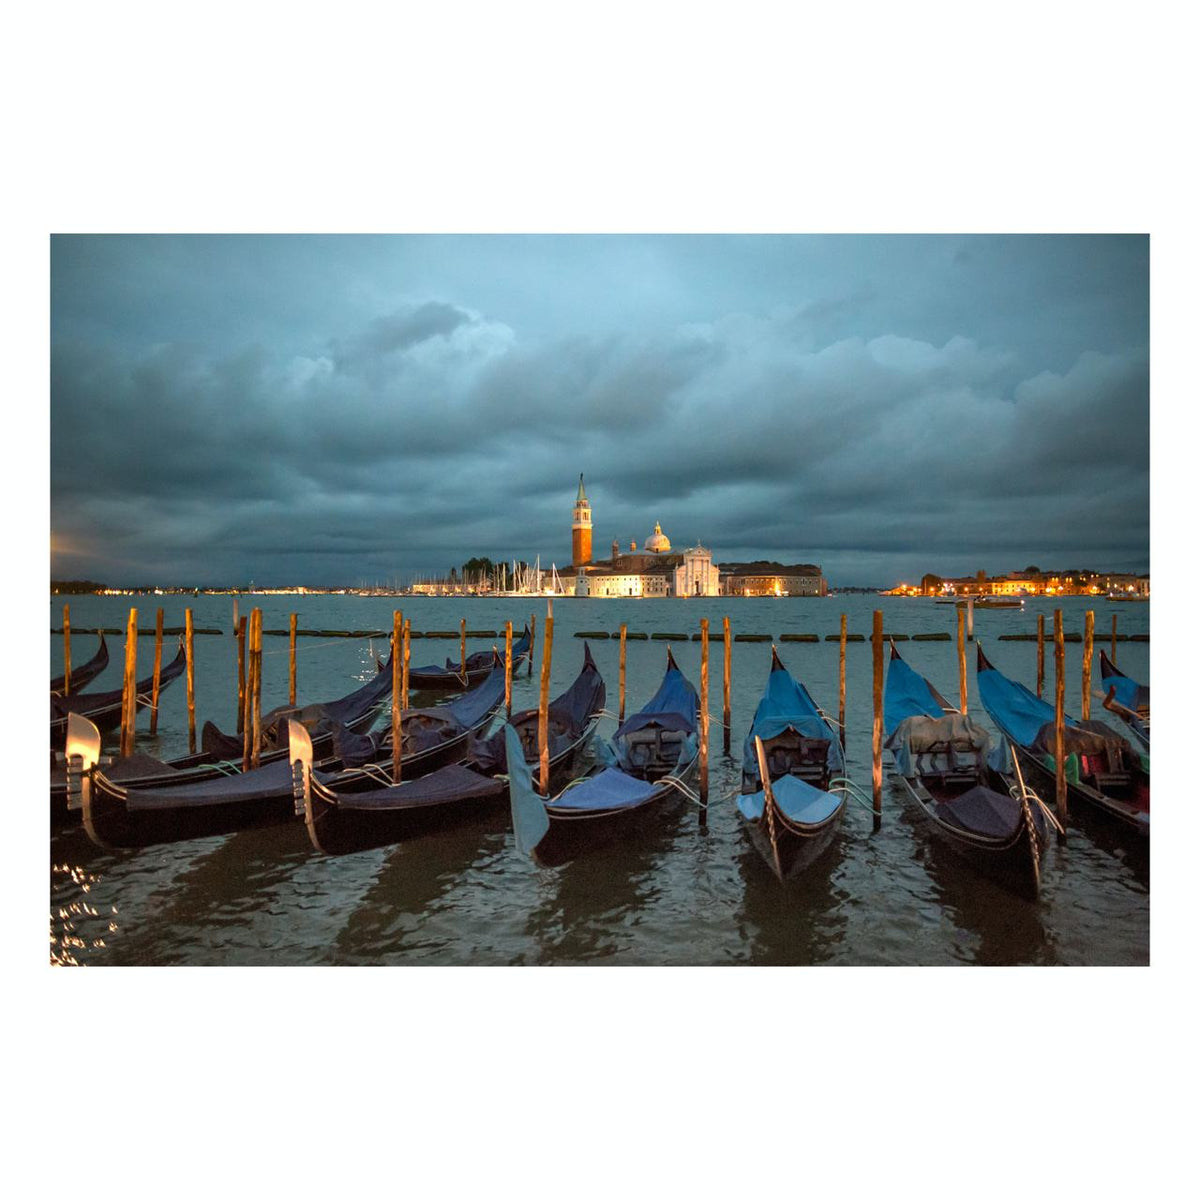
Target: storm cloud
{"points": [[338, 410]]}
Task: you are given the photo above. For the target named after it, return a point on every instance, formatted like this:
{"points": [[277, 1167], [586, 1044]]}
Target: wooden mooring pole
{"points": [[544, 701], [532, 641], [842, 686], [129, 686], [1113, 647], [407, 660], [877, 721], [1060, 764], [241, 675], [508, 668], [66, 649], [397, 674], [1041, 666], [621, 678], [962, 660], [462, 638], [158, 628], [1089, 633], [726, 720], [703, 721], [292, 659], [256, 675], [189, 651]]}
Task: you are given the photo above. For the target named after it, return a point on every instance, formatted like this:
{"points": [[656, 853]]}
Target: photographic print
{"points": [[622, 599]]}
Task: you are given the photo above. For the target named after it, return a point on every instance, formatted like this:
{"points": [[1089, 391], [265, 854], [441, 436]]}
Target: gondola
{"points": [[941, 760], [1127, 698], [451, 677], [83, 674], [646, 764], [103, 709], [791, 816], [342, 818], [116, 813], [1105, 775], [356, 711], [222, 754]]}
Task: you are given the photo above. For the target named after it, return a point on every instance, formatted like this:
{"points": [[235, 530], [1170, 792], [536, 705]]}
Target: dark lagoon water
{"points": [[680, 894]]}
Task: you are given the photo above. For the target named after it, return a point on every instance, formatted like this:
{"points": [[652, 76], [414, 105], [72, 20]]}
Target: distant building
{"points": [[1032, 582], [772, 579]]}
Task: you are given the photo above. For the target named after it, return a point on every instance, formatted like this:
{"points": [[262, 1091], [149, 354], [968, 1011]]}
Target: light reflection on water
{"points": [[676, 895]]}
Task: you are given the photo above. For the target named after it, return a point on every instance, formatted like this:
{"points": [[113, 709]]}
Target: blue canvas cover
{"points": [[1015, 709], [799, 801], [530, 820], [908, 694], [786, 704], [1129, 692], [262, 783], [675, 706], [609, 789], [988, 813], [450, 784]]}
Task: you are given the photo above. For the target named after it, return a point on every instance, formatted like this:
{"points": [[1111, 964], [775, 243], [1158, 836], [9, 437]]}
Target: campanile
{"points": [[581, 530]]}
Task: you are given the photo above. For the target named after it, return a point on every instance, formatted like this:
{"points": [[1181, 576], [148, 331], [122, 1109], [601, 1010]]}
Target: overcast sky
{"points": [[346, 409]]}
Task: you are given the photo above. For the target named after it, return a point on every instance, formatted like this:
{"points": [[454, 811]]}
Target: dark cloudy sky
{"points": [[345, 409]]}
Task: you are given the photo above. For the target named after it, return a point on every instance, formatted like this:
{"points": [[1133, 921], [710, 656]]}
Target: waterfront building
{"points": [[772, 579], [1031, 582]]}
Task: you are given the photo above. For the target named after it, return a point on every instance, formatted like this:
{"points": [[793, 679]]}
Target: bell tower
{"points": [[581, 530]]}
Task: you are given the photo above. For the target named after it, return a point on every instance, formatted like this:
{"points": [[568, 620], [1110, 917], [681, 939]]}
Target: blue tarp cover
{"points": [[785, 705], [275, 779], [985, 812], [907, 694], [674, 706], [447, 785], [800, 802], [1130, 693], [1014, 708], [609, 789]]}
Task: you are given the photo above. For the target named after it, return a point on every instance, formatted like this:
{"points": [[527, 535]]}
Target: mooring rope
{"points": [[1015, 791], [840, 783]]}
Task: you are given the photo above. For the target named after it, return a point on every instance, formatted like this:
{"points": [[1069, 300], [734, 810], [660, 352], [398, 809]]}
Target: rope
{"points": [[1030, 795], [853, 792]]}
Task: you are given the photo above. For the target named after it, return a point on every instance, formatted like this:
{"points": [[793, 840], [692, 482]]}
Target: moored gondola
{"points": [[343, 817], [1104, 774], [941, 761], [645, 766], [83, 674], [103, 709], [1127, 698], [791, 759], [357, 711], [452, 678]]}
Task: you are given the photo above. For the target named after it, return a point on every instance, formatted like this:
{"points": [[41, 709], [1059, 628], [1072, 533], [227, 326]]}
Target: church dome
{"points": [[658, 542]]}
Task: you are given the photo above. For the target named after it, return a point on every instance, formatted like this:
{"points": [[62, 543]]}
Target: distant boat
{"points": [[985, 601], [1117, 599]]}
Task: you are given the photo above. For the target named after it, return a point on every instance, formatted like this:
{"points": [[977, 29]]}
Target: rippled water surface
{"points": [[679, 894]]}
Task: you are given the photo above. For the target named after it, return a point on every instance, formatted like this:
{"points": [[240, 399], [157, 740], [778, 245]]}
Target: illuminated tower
{"points": [[581, 530]]}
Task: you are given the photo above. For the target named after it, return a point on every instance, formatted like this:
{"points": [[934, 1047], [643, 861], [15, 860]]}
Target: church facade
{"points": [[654, 571]]}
